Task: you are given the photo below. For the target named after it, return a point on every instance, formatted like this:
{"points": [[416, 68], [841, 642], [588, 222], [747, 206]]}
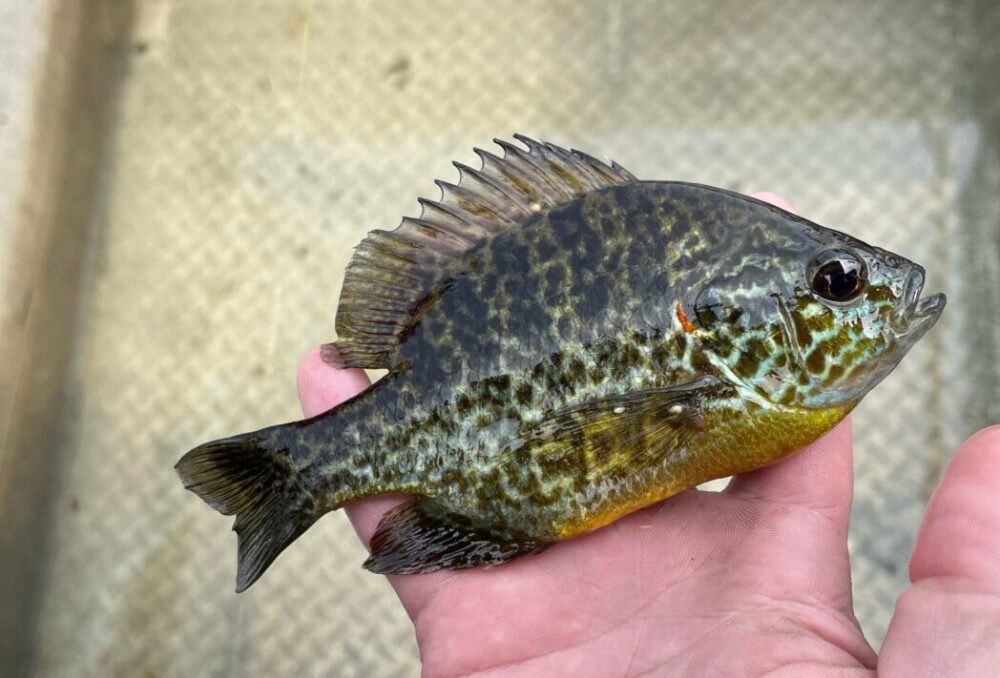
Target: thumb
{"points": [[946, 622], [960, 536]]}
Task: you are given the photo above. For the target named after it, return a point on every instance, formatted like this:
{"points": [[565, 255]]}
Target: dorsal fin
{"points": [[394, 274]]}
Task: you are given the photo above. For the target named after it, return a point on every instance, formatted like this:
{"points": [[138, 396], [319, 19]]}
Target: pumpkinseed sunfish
{"points": [[566, 344]]}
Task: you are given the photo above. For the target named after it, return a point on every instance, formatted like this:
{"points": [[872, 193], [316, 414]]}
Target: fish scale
{"points": [[565, 345]]}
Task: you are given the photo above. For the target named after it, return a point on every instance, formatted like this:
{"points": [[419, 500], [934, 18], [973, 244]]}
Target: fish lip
{"points": [[932, 305], [912, 309], [903, 314], [925, 312]]}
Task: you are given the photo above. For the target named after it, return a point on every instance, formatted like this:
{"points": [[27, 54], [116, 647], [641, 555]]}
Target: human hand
{"points": [[744, 582], [751, 581]]}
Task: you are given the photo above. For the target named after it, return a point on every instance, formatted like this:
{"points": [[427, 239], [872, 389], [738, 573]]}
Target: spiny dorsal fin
{"points": [[394, 274]]}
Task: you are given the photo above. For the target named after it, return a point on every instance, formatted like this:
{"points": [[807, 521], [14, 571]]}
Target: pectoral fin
{"points": [[615, 436], [421, 536]]}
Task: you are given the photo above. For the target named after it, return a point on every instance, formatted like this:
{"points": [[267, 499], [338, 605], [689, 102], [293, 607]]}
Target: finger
{"points": [[320, 388], [820, 477], [945, 623], [960, 535], [774, 199]]}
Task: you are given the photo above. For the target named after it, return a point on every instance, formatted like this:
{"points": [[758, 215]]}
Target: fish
{"points": [[565, 344]]}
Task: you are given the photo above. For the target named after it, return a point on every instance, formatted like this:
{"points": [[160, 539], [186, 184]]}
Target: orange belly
{"points": [[731, 443]]}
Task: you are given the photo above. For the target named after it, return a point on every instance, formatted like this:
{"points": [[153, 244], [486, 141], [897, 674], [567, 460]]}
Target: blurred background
{"points": [[182, 183]]}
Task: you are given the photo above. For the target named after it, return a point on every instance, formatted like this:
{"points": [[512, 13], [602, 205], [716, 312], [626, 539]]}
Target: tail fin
{"points": [[251, 477]]}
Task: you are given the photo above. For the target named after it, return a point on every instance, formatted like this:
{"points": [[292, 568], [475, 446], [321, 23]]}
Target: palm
{"points": [[706, 584], [749, 582]]}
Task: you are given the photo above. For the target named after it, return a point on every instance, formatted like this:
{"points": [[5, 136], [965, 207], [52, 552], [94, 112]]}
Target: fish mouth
{"points": [[916, 315], [908, 322]]}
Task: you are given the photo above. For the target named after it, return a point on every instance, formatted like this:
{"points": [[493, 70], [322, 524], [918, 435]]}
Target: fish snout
{"points": [[913, 314]]}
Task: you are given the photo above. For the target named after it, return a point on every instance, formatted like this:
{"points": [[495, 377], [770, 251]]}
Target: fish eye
{"points": [[837, 275]]}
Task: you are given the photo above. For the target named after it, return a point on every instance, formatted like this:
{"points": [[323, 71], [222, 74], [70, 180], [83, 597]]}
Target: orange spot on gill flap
{"points": [[683, 319]]}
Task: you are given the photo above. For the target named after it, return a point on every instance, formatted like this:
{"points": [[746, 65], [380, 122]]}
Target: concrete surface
{"points": [[251, 149]]}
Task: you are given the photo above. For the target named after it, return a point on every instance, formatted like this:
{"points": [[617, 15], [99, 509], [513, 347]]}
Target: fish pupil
{"points": [[839, 279]]}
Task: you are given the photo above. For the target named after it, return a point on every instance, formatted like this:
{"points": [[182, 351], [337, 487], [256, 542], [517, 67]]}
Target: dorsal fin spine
{"points": [[509, 199], [396, 275], [449, 229], [480, 209], [549, 188], [441, 214], [475, 187], [512, 152], [591, 165], [520, 183], [457, 214], [557, 163]]}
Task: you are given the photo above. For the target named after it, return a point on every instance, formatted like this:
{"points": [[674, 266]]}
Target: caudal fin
{"points": [[250, 477]]}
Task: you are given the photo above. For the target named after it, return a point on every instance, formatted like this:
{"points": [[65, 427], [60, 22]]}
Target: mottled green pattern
{"points": [[580, 304], [551, 375]]}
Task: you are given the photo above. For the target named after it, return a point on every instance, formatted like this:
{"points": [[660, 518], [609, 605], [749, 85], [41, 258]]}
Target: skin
{"points": [[752, 581]]}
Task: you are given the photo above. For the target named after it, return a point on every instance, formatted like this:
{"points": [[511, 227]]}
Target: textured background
{"points": [[21, 42], [256, 142]]}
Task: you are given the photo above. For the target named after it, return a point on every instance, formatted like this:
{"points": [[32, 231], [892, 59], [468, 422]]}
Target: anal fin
{"points": [[421, 536]]}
